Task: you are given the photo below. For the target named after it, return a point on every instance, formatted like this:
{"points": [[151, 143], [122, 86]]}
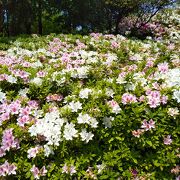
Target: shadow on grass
{"points": [[5, 42]]}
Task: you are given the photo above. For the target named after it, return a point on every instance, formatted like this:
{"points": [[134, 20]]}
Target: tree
{"points": [[1, 17], [40, 17], [144, 10], [46, 16]]}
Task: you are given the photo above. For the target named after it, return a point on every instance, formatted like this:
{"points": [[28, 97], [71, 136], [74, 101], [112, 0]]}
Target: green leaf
{"points": [[149, 142]]}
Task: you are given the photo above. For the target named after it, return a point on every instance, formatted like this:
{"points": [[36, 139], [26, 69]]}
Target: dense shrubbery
{"points": [[89, 107], [163, 25]]}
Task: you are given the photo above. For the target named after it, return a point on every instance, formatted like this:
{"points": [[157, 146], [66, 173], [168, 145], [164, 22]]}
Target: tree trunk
{"points": [[7, 26], [28, 28], [117, 23], [109, 22], [40, 17], [1, 17]]}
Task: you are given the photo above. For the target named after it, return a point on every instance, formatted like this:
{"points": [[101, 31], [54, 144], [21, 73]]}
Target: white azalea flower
{"points": [[75, 106], [48, 150], [100, 167], [176, 96], [109, 92], [130, 87], [69, 131], [37, 81], [136, 57], [84, 93], [2, 96], [173, 112], [86, 136], [83, 118], [172, 77], [23, 92], [37, 64], [107, 121], [86, 119], [120, 80], [93, 122], [49, 127], [80, 72], [11, 79]]}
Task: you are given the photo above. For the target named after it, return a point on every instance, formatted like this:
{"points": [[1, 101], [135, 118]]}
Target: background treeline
{"points": [[72, 16]]}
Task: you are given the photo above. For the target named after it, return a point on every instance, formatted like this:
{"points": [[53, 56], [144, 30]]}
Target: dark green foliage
{"points": [[73, 16]]}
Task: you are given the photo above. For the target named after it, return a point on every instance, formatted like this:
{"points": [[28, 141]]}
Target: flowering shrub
{"points": [[91, 107], [133, 26], [164, 25], [170, 20]]}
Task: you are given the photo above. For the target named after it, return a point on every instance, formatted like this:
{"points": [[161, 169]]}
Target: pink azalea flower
{"points": [[26, 64], [163, 67], [35, 171], [72, 170], [148, 126], [3, 77], [137, 133], [115, 106], [2, 171], [25, 111], [69, 169], [33, 104], [168, 140], [145, 125], [142, 98], [155, 85], [3, 117], [14, 109], [155, 94], [164, 99], [8, 140], [128, 98], [7, 169], [12, 169], [41, 74], [2, 152], [54, 97], [43, 171], [21, 121], [153, 102], [53, 109], [176, 170], [114, 44], [113, 103], [151, 124], [153, 98], [132, 68], [149, 63], [65, 169], [32, 152]]}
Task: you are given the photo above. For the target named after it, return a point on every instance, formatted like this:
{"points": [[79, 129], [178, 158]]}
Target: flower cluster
{"points": [[8, 141], [97, 106], [49, 127], [38, 173], [146, 126], [69, 169], [7, 169]]}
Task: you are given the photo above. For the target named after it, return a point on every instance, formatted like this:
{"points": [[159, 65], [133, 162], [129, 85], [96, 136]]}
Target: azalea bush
{"points": [[89, 107], [164, 25]]}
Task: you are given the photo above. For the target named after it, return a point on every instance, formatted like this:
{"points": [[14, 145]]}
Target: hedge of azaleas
{"points": [[90, 107]]}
